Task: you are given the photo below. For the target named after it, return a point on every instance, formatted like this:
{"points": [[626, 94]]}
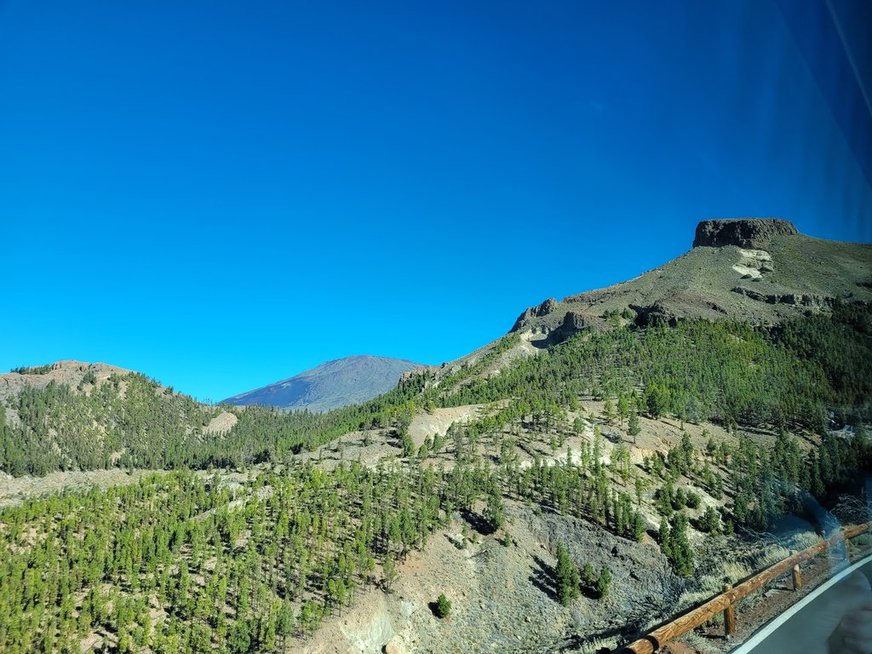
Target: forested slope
{"points": [[810, 373], [187, 563]]}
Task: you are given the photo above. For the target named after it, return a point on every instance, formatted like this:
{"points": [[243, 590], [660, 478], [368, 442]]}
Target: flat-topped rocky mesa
{"points": [[760, 270], [750, 233]]}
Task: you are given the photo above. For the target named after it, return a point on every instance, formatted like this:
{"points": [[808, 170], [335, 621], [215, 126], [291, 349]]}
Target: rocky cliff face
{"points": [[751, 233], [534, 312]]}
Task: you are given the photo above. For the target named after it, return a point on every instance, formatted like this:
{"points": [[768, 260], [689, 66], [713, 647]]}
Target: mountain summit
{"points": [[741, 232], [331, 385], [760, 270]]}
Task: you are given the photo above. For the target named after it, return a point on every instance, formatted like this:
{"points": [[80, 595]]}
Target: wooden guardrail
{"points": [[724, 602]]}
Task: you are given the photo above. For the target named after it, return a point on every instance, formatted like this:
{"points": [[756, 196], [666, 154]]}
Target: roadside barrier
{"points": [[725, 602]]}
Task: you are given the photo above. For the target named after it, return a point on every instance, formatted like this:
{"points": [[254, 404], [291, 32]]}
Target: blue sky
{"points": [[224, 194]]}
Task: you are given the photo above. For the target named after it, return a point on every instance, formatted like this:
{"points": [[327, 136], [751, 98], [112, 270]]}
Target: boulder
{"points": [[394, 646]]}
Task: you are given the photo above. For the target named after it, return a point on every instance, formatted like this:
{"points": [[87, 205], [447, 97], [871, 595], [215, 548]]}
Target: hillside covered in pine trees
{"points": [[605, 464]]}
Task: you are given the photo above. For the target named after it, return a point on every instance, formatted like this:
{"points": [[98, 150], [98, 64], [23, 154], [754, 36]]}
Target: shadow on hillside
{"points": [[544, 578], [555, 337], [477, 522]]}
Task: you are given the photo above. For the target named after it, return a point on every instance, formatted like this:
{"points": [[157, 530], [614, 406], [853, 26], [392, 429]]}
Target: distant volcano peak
{"points": [[331, 385]]}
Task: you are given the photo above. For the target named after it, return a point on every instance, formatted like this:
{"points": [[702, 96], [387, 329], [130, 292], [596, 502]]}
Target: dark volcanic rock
{"points": [[546, 307], [573, 321], [655, 314], [753, 233], [535, 312], [794, 299]]}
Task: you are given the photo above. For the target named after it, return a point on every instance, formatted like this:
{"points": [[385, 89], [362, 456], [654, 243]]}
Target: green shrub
{"points": [[442, 607]]}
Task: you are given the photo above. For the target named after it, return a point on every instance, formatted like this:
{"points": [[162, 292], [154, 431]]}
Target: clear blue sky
{"points": [[223, 194]]}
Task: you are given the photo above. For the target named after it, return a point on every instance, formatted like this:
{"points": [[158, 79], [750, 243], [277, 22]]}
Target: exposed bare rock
{"points": [[394, 646], [220, 424], [504, 597], [546, 307], [753, 233], [535, 312], [574, 321], [655, 314], [794, 299]]}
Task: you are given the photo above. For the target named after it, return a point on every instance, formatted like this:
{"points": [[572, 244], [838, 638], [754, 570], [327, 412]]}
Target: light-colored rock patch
{"points": [[221, 424], [753, 273], [753, 263], [437, 421], [370, 635], [758, 255]]}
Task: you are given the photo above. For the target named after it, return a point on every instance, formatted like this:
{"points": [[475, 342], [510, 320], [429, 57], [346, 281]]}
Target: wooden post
{"points": [[729, 614], [652, 641], [797, 578]]}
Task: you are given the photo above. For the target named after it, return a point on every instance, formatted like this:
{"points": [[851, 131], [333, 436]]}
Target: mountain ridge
{"points": [[759, 270]]}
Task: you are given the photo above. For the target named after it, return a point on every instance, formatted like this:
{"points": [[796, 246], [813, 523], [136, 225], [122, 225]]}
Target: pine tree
{"points": [[623, 407], [494, 511], [656, 399], [407, 444], [608, 410], [389, 570], [603, 582], [665, 538], [638, 527], [633, 428], [567, 576]]}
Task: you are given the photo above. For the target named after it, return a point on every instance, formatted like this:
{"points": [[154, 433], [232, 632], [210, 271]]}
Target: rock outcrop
{"points": [[535, 312], [751, 233], [654, 315], [806, 300], [573, 322]]}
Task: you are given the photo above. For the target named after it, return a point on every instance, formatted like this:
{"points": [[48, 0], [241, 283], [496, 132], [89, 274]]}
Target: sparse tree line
{"points": [[764, 482], [732, 373], [728, 372]]}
